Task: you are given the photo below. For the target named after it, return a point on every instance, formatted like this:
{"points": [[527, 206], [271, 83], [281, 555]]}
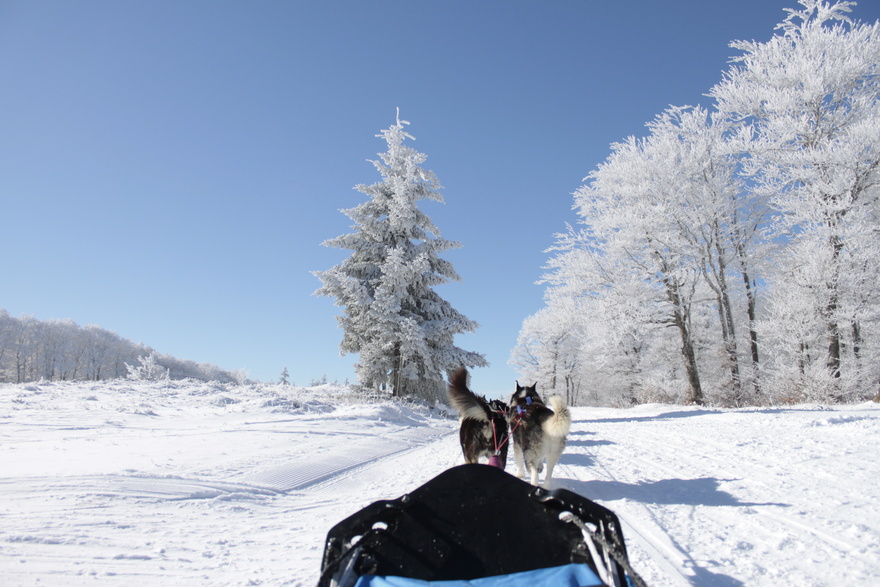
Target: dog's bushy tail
{"points": [[560, 422], [468, 404]]}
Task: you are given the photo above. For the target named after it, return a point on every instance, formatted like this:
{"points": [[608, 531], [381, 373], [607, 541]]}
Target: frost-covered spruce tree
{"points": [[392, 318]]}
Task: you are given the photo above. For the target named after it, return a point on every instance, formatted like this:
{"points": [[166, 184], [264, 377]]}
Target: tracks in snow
{"points": [[296, 475], [154, 529], [641, 532], [309, 470], [680, 486], [766, 516]]}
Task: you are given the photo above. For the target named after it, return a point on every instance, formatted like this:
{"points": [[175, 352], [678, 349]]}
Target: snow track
{"points": [[344, 458], [734, 498], [170, 485], [153, 529], [666, 556]]}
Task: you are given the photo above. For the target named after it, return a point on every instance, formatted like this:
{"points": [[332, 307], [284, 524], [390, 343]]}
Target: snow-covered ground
{"points": [[191, 483]]}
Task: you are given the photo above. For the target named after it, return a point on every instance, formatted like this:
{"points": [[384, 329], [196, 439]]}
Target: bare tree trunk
{"points": [[395, 382], [803, 349], [681, 318], [695, 395], [857, 340], [718, 284], [833, 362], [751, 305], [751, 310]]}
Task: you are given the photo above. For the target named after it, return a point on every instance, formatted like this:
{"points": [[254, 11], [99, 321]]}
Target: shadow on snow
{"points": [[703, 491]]}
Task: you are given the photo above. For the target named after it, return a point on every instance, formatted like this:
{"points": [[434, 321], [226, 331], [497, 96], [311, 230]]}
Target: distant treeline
{"points": [[61, 350]]}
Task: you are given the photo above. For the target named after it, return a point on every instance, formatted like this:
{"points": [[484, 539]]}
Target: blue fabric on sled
{"points": [[565, 576]]}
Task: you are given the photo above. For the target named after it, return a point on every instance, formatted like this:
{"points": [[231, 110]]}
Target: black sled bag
{"points": [[475, 525]]}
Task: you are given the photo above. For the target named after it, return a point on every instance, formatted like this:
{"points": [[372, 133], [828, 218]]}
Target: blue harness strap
{"points": [[573, 575]]}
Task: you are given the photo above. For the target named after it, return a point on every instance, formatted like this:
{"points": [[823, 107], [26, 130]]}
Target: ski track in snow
{"points": [[738, 497], [146, 484]]}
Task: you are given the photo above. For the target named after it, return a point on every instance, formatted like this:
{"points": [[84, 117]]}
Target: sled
{"points": [[475, 525]]}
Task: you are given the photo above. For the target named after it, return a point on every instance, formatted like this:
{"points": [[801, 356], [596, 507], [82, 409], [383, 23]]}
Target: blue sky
{"points": [[168, 170]]}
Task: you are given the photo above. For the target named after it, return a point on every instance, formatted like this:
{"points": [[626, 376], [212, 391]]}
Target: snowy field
{"points": [[203, 484]]}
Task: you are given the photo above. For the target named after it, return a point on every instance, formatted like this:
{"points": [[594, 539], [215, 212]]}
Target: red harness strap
{"points": [[506, 438]]}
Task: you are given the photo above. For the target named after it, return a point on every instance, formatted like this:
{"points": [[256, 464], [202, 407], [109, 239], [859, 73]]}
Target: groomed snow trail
{"points": [[746, 497], [155, 485]]}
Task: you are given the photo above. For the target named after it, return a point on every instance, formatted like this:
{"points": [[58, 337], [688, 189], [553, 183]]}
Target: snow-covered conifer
{"points": [[392, 318]]}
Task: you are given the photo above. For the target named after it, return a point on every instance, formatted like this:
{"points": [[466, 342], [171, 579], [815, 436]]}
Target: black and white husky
{"points": [[483, 429], [538, 431]]}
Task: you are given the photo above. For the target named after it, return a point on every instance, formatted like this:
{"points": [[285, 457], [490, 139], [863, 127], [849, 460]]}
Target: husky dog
{"points": [[538, 431], [483, 429]]}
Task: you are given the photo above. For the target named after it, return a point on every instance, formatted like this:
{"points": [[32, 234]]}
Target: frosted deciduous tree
{"points": [[812, 96], [147, 369], [778, 190], [632, 203], [101, 353], [548, 350], [661, 232], [617, 321], [402, 330], [720, 220]]}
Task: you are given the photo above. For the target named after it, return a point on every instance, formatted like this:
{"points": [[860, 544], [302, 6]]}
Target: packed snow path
{"points": [[746, 497], [151, 484]]}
